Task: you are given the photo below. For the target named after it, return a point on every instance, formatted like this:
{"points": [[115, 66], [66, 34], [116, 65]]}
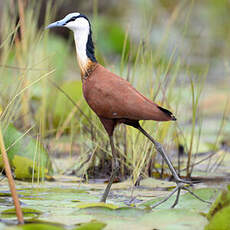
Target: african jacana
{"points": [[113, 99]]}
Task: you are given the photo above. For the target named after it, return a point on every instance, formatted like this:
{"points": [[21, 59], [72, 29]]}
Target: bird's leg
{"points": [[180, 183], [115, 163], [160, 150], [115, 169]]}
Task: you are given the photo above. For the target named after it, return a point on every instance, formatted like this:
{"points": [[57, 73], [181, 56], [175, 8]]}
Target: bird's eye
{"points": [[71, 20]]}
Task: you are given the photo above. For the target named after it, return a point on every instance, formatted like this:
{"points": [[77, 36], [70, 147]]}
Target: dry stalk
{"points": [[11, 180]]}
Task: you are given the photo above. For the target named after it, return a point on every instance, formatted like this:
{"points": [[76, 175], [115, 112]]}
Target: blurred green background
{"points": [[175, 52]]}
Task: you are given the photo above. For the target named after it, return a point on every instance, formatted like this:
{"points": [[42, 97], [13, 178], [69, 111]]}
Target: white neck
{"points": [[81, 38]]}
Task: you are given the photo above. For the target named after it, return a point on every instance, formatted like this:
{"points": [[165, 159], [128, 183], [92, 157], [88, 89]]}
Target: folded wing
{"points": [[113, 97]]}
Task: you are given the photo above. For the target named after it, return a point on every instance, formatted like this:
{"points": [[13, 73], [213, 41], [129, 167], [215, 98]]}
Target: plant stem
{"points": [[11, 180]]}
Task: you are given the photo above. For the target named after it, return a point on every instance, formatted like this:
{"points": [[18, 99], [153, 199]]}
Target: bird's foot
{"points": [[176, 189], [179, 180], [181, 184]]}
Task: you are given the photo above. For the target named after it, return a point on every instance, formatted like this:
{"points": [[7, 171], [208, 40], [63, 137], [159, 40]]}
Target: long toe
{"points": [[179, 180], [181, 184]]}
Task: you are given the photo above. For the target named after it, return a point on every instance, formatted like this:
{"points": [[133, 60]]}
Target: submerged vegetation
{"points": [[174, 53]]}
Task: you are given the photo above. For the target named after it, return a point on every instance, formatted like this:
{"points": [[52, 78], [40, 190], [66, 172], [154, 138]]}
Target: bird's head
{"points": [[81, 27], [74, 21]]}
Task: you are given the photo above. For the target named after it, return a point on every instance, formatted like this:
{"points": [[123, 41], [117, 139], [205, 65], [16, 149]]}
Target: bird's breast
{"points": [[96, 96]]}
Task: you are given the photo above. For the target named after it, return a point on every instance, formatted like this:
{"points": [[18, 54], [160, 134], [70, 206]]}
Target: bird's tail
{"points": [[167, 112]]}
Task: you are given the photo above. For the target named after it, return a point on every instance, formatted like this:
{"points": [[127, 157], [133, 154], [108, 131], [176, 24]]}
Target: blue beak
{"points": [[60, 23]]}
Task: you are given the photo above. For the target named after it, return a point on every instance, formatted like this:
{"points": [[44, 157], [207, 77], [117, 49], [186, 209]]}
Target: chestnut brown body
{"points": [[115, 99]]}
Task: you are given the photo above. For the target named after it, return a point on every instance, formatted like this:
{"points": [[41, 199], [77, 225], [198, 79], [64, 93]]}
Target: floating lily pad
{"points": [[36, 227], [58, 207], [93, 225], [27, 212], [154, 183], [109, 213], [99, 204], [5, 194], [174, 219]]}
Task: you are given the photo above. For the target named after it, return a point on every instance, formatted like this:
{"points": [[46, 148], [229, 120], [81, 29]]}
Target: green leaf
{"points": [[93, 225], [113, 34], [99, 204], [27, 157], [174, 219], [36, 227], [107, 212], [61, 107], [27, 212], [222, 201], [220, 221]]}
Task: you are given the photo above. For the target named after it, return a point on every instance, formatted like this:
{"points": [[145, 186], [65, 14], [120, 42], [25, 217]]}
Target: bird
{"points": [[113, 99]]}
